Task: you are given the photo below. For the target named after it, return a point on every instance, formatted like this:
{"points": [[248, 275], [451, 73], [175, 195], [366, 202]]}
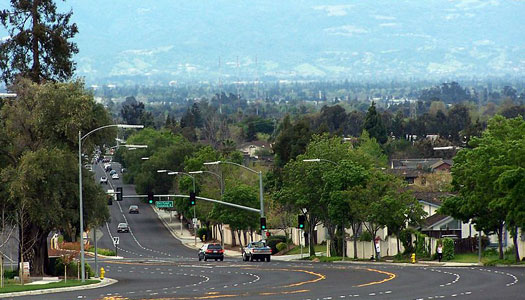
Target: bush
{"points": [[72, 269], [448, 249], [273, 240], [510, 251], [365, 237], [202, 232], [103, 251], [281, 246], [421, 247], [405, 236], [10, 274]]}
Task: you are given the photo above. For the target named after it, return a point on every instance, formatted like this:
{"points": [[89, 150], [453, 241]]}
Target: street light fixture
{"points": [[261, 197], [213, 173], [80, 139], [144, 158]]}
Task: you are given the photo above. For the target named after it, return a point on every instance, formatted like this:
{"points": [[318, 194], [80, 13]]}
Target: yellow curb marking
{"points": [[390, 277]]}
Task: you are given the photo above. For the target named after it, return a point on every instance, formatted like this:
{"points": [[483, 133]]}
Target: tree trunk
{"points": [[240, 240], [397, 241], [221, 234], [515, 241], [40, 259], [311, 240], [35, 69], [499, 231], [233, 237], [355, 229]]}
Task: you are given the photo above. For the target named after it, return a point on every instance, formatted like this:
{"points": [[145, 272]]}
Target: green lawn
{"points": [[490, 258], [297, 250], [13, 286]]}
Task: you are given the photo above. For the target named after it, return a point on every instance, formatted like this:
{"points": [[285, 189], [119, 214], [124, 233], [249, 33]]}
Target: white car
{"points": [[115, 176], [104, 179]]}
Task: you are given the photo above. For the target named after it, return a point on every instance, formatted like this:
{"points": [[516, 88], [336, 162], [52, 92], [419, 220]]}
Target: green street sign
{"points": [[164, 204]]}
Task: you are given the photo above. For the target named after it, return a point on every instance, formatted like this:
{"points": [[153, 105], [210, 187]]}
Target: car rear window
{"points": [[215, 246]]}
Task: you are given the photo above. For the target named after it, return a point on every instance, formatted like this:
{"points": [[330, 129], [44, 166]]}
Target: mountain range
{"points": [[163, 41]]}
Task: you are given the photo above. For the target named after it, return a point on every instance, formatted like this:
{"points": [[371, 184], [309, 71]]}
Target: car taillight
{"points": [[221, 251], [209, 251]]}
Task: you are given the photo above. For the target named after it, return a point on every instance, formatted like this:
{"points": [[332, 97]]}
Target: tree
{"points": [[39, 138], [238, 219], [39, 46], [374, 125], [485, 178], [132, 111]]}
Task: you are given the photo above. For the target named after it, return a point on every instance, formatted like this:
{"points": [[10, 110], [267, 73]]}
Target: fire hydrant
{"points": [[102, 272], [413, 258]]}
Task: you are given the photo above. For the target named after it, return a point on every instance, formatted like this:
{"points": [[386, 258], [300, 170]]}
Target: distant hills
{"points": [[159, 41]]}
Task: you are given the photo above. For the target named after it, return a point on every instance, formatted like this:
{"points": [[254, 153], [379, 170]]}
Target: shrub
{"points": [[510, 251], [202, 232], [281, 246], [72, 269], [103, 251], [405, 236], [365, 237], [448, 249], [421, 248], [273, 240], [10, 274]]}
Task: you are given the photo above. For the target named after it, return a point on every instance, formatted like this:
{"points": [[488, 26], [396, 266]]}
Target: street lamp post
{"points": [[80, 139], [251, 170], [220, 186], [194, 206]]}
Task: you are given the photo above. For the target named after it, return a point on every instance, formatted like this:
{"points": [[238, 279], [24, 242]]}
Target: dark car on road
{"points": [[211, 251]]}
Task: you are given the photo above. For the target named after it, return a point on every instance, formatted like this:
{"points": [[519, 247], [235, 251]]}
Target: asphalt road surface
{"points": [[157, 266]]}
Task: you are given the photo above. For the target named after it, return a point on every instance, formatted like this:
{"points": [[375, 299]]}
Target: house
{"points": [[441, 166], [251, 149]]}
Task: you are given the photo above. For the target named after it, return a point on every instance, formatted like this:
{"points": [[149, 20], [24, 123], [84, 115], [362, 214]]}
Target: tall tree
{"points": [[39, 45], [486, 176], [374, 125], [39, 136]]}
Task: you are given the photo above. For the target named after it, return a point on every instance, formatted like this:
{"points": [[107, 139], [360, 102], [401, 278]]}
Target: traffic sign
{"points": [[116, 240], [164, 204]]}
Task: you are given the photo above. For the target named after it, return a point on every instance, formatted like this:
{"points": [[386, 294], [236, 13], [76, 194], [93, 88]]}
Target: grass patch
{"points": [[297, 250], [102, 251], [12, 286]]}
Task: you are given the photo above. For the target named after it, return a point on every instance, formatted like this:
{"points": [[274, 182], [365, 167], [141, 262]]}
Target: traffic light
{"points": [[300, 221], [119, 194], [150, 198], [263, 223], [192, 199]]}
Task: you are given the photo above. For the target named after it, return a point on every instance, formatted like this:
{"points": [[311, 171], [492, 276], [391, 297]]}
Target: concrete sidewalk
{"points": [[180, 232]]}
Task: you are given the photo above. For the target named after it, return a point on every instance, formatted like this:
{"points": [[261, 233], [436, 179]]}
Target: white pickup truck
{"points": [[256, 251]]}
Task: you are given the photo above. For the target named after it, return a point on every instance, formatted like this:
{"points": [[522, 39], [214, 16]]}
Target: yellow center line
{"points": [[390, 277]]}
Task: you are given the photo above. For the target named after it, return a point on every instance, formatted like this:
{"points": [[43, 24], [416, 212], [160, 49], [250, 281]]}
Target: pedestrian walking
{"points": [[440, 252]]}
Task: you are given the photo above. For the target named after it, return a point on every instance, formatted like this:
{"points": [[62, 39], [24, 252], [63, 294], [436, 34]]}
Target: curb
{"points": [[105, 282], [419, 264]]}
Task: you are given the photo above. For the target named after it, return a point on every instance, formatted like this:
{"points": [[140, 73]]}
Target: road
{"points": [[157, 266]]}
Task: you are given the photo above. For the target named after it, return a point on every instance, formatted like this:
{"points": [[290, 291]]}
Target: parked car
{"points": [[123, 227], [115, 176], [103, 179], [256, 251], [112, 172], [211, 251], [133, 209]]}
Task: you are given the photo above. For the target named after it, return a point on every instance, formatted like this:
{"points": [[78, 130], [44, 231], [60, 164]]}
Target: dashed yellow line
{"points": [[390, 277]]}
